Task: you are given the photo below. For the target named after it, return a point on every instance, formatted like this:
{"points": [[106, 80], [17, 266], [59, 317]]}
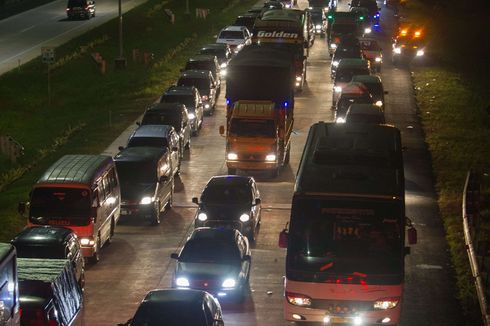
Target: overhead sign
{"points": [[47, 54]]}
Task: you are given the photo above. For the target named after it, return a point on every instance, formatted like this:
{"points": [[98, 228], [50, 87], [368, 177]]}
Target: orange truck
{"points": [[258, 137]]}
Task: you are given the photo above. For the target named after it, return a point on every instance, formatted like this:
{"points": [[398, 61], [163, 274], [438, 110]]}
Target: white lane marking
{"points": [[28, 28], [426, 266]]}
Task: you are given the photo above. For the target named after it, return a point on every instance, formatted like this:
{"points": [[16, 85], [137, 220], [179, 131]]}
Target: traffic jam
{"points": [[346, 222]]}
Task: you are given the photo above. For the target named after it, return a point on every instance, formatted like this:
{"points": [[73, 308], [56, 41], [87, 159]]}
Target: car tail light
{"points": [[386, 303], [298, 299]]}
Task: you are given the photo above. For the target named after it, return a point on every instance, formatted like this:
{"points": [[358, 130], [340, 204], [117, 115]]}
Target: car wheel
{"points": [[96, 256], [155, 218], [231, 171]]}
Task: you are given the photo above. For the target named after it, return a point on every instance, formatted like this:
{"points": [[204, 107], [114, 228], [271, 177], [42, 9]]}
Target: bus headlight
{"points": [[229, 283], [244, 217], [386, 303], [146, 200], [420, 53], [202, 217], [182, 281], [298, 299], [87, 241], [270, 157], [232, 156]]}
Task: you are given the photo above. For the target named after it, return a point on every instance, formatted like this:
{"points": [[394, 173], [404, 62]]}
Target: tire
{"points": [[155, 218], [96, 256], [111, 233], [288, 156], [188, 145], [231, 171]]}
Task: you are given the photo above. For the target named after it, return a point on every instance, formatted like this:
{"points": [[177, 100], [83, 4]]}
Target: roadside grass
{"points": [[103, 104]]}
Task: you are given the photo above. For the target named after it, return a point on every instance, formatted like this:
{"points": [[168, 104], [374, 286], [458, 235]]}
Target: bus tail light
{"points": [[298, 299], [386, 303]]}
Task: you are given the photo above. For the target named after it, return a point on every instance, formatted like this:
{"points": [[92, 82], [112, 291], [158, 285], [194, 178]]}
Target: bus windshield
{"points": [[345, 237], [252, 128], [61, 203]]}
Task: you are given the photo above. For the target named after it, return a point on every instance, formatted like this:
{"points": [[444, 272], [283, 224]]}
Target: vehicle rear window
{"points": [[187, 100], [148, 141], [231, 35], [60, 202], [200, 65], [170, 314], [157, 118], [218, 53], [200, 83], [76, 3], [40, 251]]}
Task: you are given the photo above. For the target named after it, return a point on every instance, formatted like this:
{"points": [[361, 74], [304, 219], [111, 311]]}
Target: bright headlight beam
{"points": [[232, 156], [202, 217], [244, 217], [182, 281], [229, 283], [146, 200]]}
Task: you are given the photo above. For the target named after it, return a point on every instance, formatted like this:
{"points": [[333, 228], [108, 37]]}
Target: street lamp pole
{"points": [[120, 61]]}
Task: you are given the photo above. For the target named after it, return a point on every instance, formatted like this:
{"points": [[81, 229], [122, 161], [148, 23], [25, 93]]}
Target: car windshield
{"points": [[200, 83], [161, 118], [187, 100], [39, 251], [252, 128], [170, 314], [60, 202], [344, 28], [209, 251], [132, 173], [316, 16], [148, 141], [231, 35], [226, 193]]}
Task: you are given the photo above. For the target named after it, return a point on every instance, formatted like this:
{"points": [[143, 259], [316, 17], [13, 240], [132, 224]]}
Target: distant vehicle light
{"points": [[340, 120], [298, 299], [367, 30], [420, 53], [229, 283], [192, 116], [318, 26], [337, 89], [299, 78], [379, 103], [146, 200], [202, 217], [207, 106], [244, 217], [335, 63], [87, 242], [357, 320], [333, 46], [182, 281], [378, 59], [397, 50], [386, 303], [224, 65], [223, 72], [232, 156], [270, 157]]}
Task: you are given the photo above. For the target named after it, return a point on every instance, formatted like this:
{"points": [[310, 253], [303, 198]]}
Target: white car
{"points": [[235, 36]]}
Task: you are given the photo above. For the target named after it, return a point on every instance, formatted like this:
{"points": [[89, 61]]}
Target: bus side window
{"points": [[112, 178], [95, 200], [105, 187]]}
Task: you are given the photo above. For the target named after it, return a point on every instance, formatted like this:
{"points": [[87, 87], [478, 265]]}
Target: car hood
{"points": [[224, 211], [231, 41], [205, 270]]}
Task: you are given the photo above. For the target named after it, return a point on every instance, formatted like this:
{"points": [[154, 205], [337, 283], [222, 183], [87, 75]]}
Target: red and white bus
{"points": [[346, 237]]}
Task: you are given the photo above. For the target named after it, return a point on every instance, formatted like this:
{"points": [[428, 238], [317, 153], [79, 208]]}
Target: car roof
{"points": [[214, 234], [230, 180], [233, 28], [204, 74], [202, 57], [166, 107], [175, 295], [140, 154], [160, 131], [368, 79], [180, 90], [42, 235]]}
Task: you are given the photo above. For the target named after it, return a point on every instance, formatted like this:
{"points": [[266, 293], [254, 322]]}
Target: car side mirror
{"points": [[247, 258], [283, 238], [163, 179], [174, 149], [257, 201], [222, 130], [195, 200], [21, 208], [121, 148], [174, 255]]}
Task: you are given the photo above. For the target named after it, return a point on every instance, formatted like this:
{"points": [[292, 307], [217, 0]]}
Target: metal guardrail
{"points": [[477, 247]]}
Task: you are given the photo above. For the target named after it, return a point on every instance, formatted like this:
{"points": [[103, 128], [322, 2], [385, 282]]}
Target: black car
{"points": [[230, 201], [204, 81], [80, 9], [214, 260], [345, 100], [375, 87], [51, 243], [191, 98], [146, 181], [173, 114], [247, 20], [222, 51], [205, 62], [177, 307], [344, 53]]}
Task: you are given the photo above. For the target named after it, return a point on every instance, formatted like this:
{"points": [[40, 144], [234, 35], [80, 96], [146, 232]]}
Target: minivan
{"points": [[204, 81], [173, 114], [159, 136], [147, 181], [80, 192], [191, 98]]}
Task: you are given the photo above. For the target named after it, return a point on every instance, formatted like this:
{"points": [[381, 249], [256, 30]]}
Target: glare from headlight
{"points": [[244, 217], [420, 53], [298, 78], [335, 63], [377, 59], [87, 242], [223, 65], [223, 72], [318, 26], [270, 157], [379, 103], [232, 156], [182, 281], [207, 106], [146, 200], [397, 50], [192, 116], [297, 84], [229, 283], [333, 46], [367, 30], [340, 120], [202, 217], [357, 320], [337, 89]]}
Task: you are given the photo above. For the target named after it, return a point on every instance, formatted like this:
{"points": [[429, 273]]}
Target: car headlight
{"points": [[335, 63], [146, 200], [420, 53], [337, 89], [377, 59], [386, 303], [222, 72], [224, 65], [182, 281], [298, 299], [298, 78], [367, 30], [333, 46], [244, 217], [192, 116], [379, 103], [229, 283], [318, 26], [207, 106], [204, 97], [397, 50], [340, 120], [202, 217], [270, 157], [232, 156], [87, 241]]}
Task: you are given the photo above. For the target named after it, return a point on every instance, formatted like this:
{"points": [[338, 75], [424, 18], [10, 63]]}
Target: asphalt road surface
{"points": [[138, 260]]}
